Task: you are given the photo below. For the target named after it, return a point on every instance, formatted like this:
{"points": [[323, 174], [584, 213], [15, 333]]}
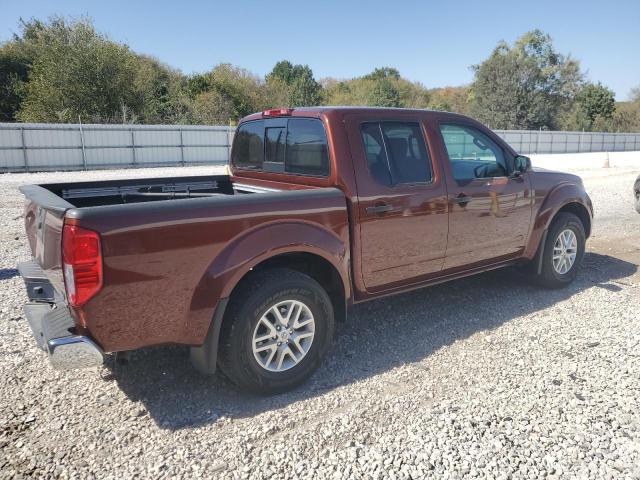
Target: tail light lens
{"points": [[82, 263]]}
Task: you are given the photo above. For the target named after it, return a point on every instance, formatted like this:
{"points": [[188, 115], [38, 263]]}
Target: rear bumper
{"points": [[53, 326]]}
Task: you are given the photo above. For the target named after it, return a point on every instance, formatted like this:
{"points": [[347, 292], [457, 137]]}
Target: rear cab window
{"points": [[294, 145]]}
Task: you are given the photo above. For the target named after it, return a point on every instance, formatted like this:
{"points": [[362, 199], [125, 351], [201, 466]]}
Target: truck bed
{"points": [[61, 196], [166, 245]]}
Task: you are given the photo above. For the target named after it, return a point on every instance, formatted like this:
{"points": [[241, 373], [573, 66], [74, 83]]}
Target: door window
{"points": [[396, 152], [472, 154], [374, 151]]}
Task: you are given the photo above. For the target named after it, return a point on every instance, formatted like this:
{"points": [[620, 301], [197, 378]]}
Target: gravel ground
{"points": [[484, 377]]}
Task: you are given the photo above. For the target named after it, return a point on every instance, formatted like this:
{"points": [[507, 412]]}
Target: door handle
{"points": [[460, 199], [380, 208]]}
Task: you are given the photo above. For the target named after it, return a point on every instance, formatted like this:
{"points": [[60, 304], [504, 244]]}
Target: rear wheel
{"points": [[276, 331], [562, 252]]}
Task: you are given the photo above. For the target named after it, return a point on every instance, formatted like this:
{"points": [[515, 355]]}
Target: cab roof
{"points": [[318, 111]]}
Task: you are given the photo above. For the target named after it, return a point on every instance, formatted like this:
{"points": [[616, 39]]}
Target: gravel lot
{"points": [[484, 377]]}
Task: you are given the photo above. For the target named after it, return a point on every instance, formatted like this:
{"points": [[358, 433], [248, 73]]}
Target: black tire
{"points": [[255, 296], [636, 195], [548, 276]]}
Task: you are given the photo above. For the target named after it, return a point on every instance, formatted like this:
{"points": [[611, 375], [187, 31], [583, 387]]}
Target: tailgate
{"points": [[44, 219]]}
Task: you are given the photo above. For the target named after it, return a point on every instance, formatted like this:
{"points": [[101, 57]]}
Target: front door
{"points": [[402, 206], [490, 209]]}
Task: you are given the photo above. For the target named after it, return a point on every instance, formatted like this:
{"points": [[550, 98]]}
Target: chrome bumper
{"points": [[76, 351], [53, 326]]}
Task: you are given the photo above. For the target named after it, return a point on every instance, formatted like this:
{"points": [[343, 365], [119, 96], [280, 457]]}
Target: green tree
{"points": [[285, 71], [450, 99], [303, 89], [596, 100], [159, 91], [524, 86], [77, 72], [626, 117], [243, 88], [212, 108], [382, 87], [275, 93], [592, 109], [235, 91], [198, 83], [15, 63], [383, 72], [384, 94]]}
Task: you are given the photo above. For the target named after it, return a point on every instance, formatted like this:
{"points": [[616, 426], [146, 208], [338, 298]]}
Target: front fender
{"points": [[560, 196], [557, 198]]}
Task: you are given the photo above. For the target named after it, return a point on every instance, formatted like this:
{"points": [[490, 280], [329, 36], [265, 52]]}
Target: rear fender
{"points": [[252, 248]]}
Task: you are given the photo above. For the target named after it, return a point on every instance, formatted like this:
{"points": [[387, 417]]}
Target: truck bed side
{"points": [[167, 264]]}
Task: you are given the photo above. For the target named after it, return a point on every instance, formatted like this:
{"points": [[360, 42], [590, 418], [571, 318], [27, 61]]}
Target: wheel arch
{"points": [[566, 197], [316, 267], [252, 247], [317, 253], [576, 208], [580, 211]]}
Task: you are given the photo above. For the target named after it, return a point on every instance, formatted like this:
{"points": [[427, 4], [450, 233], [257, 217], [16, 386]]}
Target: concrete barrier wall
{"points": [[586, 161], [543, 141]]}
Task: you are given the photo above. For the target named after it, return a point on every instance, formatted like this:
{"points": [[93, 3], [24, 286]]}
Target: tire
{"points": [[248, 317], [636, 196], [554, 275]]}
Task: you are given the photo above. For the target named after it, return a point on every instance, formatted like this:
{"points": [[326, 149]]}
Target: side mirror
{"points": [[522, 164]]}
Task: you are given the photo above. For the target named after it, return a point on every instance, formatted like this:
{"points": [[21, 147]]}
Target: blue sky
{"points": [[431, 42]]}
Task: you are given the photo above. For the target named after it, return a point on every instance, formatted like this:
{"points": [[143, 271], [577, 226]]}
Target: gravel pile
{"points": [[486, 377]]}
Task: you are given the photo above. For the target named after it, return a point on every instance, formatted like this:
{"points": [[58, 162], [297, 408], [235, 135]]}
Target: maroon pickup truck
{"points": [[323, 208]]}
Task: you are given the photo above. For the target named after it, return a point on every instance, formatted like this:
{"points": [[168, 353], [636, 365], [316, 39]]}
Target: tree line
{"points": [[63, 70]]}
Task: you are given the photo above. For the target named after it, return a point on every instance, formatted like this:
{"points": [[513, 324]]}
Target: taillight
{"points": [[277, 112], [82, 263]]}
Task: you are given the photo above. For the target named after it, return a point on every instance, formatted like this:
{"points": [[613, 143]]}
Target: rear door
{"points": [[490, 210], [402, 206]]}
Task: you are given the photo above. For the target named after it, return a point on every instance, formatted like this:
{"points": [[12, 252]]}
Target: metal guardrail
{"points": [[37, 147], [40, 147], [544, 141]]}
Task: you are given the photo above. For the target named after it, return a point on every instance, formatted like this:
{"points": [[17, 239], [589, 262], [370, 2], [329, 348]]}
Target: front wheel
{"points": [[276, 331], [562, 252]]}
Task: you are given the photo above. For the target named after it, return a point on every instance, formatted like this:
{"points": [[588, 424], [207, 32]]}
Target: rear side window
{"points": [[306, 152], [248, 148], [396, 152], [295, 145]]}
